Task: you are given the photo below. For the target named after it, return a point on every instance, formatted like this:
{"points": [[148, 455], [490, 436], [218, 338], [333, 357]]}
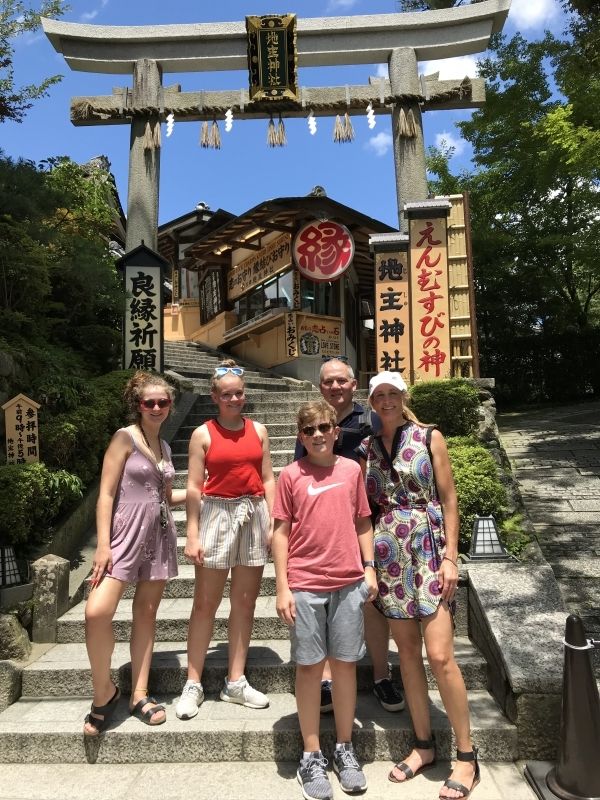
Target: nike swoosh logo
{"points": [[314, 490]]}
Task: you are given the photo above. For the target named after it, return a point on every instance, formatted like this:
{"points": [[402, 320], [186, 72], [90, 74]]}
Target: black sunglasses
{"points": [[323, 427], [164, 402], [335, 358]]}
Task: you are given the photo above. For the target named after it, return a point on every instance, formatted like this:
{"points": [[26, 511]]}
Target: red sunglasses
{"points": [[164, 402]]}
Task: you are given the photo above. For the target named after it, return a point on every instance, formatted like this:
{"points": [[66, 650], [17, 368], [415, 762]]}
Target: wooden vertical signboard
{"points": [[392, 296], [429, 298], [22, 433]]}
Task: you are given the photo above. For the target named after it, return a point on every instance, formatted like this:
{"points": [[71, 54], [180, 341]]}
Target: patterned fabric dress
{"points": [[409, 528]]}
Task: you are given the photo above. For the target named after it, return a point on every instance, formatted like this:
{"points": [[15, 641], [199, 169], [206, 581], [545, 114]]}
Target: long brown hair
{"points": [[134, 389]]}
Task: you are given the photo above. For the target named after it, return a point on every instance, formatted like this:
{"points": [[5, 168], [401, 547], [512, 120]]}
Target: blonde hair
{"points": [[135, 388], [308, 412], [227, 362]]}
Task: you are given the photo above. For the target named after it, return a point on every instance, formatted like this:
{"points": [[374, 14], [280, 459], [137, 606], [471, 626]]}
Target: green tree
{"points": [[17, 18], [534, 195]]}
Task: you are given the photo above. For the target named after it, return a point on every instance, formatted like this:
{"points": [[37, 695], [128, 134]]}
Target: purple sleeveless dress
{"points": [[142, 549]]}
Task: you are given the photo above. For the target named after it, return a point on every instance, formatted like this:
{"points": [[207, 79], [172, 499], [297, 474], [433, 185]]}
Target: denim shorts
{"points": [[329, 624]]}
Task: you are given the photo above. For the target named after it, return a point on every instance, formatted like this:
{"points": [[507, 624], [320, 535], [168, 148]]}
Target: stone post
{"points": [[407, 131], [144, 158], [50, 596], [10, 683]]}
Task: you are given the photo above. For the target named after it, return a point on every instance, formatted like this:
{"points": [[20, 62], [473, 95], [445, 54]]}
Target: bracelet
{"points": [[445, 558]]}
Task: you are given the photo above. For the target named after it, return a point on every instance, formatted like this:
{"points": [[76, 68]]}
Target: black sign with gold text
{"points": [[272, 57]]}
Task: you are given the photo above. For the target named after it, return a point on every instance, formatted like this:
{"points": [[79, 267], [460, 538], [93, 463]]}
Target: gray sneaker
{"points": [[192, 696], [349, 771], [313, 778], [242, 693]]}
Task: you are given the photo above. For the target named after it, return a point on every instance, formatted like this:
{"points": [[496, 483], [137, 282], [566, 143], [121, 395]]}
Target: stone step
{"points": [[64, 668], [275, 429], [49, 730], [172, 621], [279, 458], [277, 415], [257, 383]]}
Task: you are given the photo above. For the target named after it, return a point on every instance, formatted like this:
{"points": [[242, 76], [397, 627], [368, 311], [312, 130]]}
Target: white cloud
{"points": [[451, 68], [380, 143], [450, 140], [382, 71], [340, 5], [533, 13], [88, 16]]}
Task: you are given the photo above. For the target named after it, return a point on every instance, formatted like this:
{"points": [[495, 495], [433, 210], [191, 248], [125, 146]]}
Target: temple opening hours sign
{"points": [[22, 434]]}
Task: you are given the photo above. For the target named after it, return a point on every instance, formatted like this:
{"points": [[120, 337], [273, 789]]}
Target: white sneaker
{"points": [[192, 696], [242, 693]]}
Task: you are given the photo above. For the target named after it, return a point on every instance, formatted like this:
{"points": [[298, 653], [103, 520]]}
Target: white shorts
{"points": [[234, 531]]}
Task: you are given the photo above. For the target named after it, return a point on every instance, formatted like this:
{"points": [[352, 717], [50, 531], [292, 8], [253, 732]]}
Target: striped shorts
{"points": [[234, 531]]}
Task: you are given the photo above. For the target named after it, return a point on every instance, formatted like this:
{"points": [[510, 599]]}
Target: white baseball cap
{"points": [[390, 379]]}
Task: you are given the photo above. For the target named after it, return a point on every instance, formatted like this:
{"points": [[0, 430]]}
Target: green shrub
{"points": [[32, 498], [452, 405], [513, 535], [478, 488]]}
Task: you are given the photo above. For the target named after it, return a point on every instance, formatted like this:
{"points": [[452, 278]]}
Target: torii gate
{"points": [[148, 51]]}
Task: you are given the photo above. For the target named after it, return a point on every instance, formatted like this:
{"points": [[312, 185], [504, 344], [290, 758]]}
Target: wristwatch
{"points": [[369, 564]]}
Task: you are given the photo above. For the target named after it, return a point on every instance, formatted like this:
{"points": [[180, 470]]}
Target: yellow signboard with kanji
{"points": [[392, 318]]}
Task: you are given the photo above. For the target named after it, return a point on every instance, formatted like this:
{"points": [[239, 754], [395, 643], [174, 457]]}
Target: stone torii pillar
{"points": [[149, 51]]}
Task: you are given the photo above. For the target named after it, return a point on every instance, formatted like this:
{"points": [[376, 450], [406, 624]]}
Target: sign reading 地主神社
{"points": [[323, 250], [392, 317], [272, 57], [143, 328]]}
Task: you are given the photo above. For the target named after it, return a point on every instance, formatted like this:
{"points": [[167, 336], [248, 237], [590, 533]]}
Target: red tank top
{"points": [[234, 461]]}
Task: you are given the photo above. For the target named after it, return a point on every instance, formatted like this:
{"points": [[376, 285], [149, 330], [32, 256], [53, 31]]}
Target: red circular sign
{"points": [[323, 250]]}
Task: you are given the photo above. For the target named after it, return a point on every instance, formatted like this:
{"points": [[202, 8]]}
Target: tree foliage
{"points": [[16, 19], [60, 296], [535, 194], [427, 5]]}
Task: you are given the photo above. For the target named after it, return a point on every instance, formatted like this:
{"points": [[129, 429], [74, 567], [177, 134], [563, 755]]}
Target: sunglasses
{"points": [[164, 402], [344, 359], [322, 427], [220, 371]]}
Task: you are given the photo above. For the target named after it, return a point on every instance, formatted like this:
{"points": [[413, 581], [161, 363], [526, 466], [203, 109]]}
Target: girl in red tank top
{"points": [[229, 500]]}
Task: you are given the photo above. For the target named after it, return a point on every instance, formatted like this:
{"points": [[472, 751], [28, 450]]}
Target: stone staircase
{"points": [[45, 724]]}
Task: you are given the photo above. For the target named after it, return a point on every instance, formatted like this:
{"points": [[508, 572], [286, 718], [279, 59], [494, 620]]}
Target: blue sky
{"points": [[245, 171]]}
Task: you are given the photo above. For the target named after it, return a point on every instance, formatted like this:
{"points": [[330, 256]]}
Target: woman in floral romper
{"points": [[409, 482]]}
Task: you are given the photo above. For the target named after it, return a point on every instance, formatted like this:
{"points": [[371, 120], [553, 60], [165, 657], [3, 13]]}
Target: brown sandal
{"points": [[418, 744], [460, 787]]}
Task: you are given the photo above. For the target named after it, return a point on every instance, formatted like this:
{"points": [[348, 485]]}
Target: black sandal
{"points": [[146, 716], [418, 744], [100, 723], [460, 787]]}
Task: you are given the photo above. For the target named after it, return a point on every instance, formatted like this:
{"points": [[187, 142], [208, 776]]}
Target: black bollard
{"points": [[576, 775]]}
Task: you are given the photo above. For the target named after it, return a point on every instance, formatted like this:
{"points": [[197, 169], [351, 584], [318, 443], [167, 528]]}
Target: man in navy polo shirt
{"points": [[337, 385]]}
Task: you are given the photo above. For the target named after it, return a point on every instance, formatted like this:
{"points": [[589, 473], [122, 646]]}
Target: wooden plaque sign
{"points": [[22, 433], [272, 57]]}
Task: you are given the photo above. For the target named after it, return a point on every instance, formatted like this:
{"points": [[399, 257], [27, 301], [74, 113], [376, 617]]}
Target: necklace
{"points": [[163, 514], [148, 443]]}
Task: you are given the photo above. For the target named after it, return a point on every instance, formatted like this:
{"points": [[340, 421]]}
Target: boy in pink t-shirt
{"points": [[323, 554]]}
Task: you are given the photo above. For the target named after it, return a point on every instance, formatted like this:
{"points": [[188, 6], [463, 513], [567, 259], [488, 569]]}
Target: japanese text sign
{"points": [[143, 318], [272, 57], [318, 336], [22, 435], [259, 266], [323, 250], [392, 319], [429, 298]]}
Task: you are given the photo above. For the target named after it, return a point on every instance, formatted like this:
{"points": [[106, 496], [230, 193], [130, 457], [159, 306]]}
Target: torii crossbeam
{"points": [[148, 51]]}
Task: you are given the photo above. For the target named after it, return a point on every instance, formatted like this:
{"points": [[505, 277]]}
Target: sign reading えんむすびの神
{"points": [[22, 434]]}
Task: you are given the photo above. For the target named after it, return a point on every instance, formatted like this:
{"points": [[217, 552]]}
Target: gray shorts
{"points": [[234, 532], [329, 624]]}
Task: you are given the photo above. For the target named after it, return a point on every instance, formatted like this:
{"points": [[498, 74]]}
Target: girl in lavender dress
{"points": [[136, 544]]}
